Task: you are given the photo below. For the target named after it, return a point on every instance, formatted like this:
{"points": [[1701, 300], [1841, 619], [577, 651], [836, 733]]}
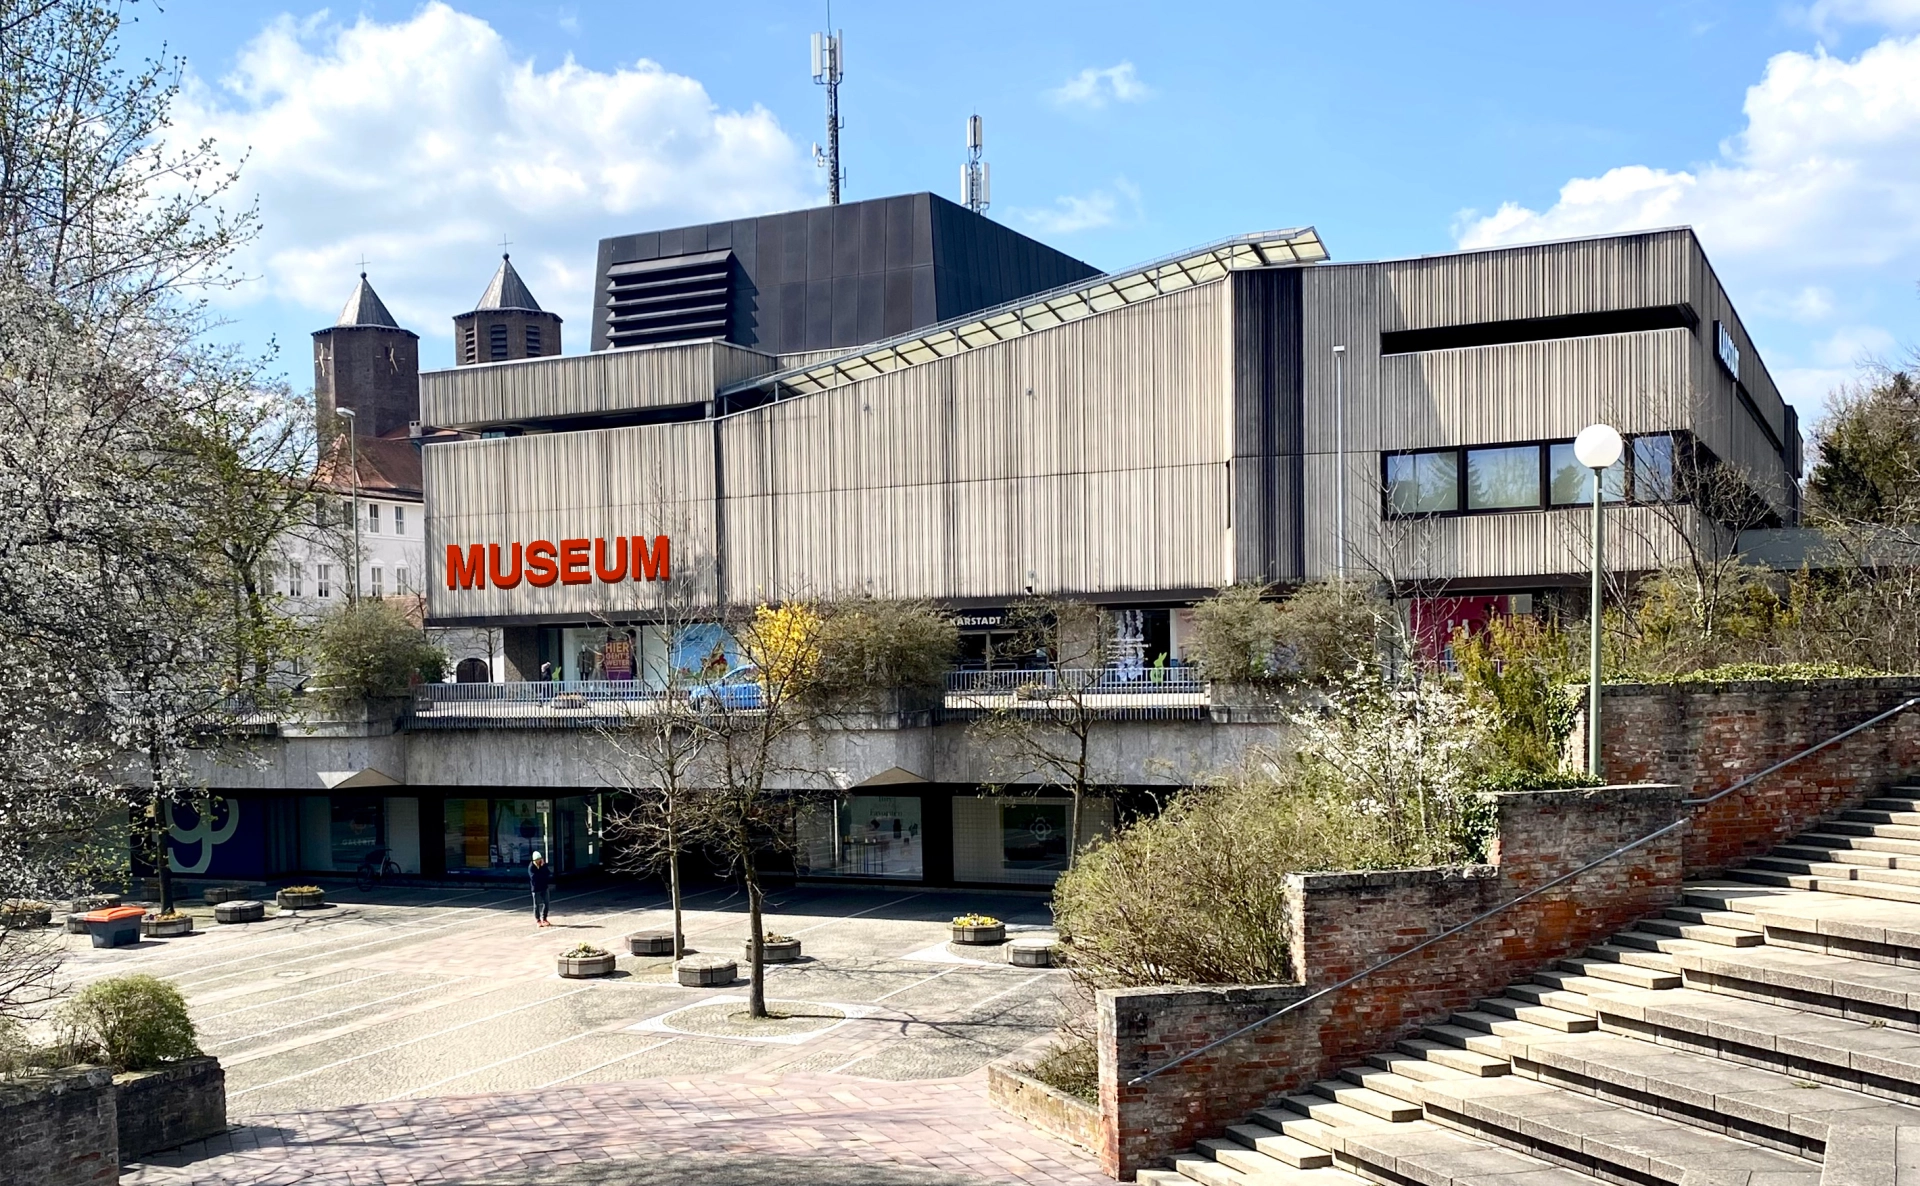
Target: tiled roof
{"points": [[387, 466]]}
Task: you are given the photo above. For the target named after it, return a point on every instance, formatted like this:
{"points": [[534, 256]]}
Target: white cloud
{"points": [[1094, 88], [1828, 166], [420, 143], [1115, 205], [1818, 194], [1826, 16], [1808, 387], [1855, 346]]}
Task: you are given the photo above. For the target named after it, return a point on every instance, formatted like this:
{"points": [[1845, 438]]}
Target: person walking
{"points": [[541, 875]]}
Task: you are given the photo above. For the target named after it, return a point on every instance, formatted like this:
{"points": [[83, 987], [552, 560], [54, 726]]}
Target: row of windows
{"points": [[296, 580], [322, 516], [1523, 477]]}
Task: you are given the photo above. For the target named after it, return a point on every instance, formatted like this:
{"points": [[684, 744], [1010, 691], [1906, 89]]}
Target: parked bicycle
{"points": [[375, 869]]}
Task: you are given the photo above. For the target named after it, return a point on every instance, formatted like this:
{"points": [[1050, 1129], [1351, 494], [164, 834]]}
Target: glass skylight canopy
{"points": [[1269, 249]]}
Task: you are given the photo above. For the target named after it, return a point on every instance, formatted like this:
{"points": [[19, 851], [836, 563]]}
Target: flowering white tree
{"points": [[1411, 755], [108, 394]]}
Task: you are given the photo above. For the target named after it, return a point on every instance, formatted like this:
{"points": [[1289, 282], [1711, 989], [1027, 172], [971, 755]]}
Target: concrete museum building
{"points": [[901, 398]]}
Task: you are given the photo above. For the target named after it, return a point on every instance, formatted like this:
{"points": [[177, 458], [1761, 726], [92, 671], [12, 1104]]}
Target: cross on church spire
{"points": [[363, 265], [504, 244]]}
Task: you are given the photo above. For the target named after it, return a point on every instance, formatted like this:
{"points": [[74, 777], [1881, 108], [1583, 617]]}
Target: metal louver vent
{"points": [[678, 299]]}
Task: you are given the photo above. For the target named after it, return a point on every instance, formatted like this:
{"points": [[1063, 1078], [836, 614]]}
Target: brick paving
{"points": [[788, 1128]]}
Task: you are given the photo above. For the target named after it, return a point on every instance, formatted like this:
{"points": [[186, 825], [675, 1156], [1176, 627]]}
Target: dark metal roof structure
{"points": [[507, 291], [364, 308]]}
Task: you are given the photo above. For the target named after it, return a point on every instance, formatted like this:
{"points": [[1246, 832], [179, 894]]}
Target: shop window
{"points": [[1503, 479], [863, 836], [1423, 483], [1033, 836], [358, 830]]}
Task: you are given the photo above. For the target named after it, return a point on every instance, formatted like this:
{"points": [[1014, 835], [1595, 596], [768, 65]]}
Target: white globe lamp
{"points": [[1598, 446]]}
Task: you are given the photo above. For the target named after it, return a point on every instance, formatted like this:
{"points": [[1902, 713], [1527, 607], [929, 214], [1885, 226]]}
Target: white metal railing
{"points": [[1109, 693]]}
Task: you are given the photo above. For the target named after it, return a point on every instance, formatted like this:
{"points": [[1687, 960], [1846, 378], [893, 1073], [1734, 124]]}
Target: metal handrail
{"points": [[1477, 919]]}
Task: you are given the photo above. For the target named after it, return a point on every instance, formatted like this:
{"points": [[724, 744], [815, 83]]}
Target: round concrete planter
{"points": [[77, 923], [288, 899], [244, 910], [706, 971], [773, 953], [650, 943], [980, 936], [580, 967], [1030, 953], [165, 928], [224, 893], [26, 919]]}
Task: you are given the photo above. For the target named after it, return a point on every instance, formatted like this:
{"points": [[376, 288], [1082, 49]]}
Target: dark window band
{"points": [[1538, 329]]}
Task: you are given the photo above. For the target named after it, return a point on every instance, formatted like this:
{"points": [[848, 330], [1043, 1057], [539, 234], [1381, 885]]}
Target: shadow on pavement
{"points": [[728, 1169]]}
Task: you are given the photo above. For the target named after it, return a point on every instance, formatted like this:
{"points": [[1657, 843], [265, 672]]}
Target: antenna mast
{"points": [[826, 72], [976, 176]]}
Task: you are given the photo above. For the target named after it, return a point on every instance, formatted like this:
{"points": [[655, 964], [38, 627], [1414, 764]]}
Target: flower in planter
{"points": [[770, 937], [170, 916], [302, 889], [25, 906], [583, 951], [976, 920]]}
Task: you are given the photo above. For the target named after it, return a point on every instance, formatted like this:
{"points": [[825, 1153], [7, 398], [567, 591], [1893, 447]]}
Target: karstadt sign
{"points": [[570, 562]]}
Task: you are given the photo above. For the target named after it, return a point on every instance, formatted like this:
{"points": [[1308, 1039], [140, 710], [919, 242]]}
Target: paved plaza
{"points": [[424, 1036]]}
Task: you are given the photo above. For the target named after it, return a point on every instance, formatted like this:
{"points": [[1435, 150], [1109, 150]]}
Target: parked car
{"points": [[739, 688]]}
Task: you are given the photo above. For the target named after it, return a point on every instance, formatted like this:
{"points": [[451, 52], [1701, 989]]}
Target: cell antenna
{"points": [[827, 62], [976, 176]]}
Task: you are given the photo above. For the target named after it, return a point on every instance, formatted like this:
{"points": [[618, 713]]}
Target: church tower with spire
{"points": [[507, 323], [366, 362]]}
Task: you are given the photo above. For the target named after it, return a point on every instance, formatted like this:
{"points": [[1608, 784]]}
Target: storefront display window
{"points": [[356, 829], [501, 835], [1033, 836], [864, 836]]}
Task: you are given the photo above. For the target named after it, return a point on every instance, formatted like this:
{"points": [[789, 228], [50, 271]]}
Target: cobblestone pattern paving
{"points": [[747, 1128], [425, 1032]]}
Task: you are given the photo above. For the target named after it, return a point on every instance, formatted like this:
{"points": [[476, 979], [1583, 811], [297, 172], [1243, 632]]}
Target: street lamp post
{"points": [[1340, 460], [1598, 448], [353, 463]]}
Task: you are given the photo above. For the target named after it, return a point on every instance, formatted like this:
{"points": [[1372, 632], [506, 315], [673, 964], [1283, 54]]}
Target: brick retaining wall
{"points": [[1705, 737], [1048, 1109], [59, 1127], [165, 1109], [1343, 923]]}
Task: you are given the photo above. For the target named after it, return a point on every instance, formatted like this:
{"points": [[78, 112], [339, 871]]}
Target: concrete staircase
{"points": [[1763, 1032]]}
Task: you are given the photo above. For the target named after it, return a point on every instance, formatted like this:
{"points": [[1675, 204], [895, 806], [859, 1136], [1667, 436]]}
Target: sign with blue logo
{"points": [[1727, 349]]}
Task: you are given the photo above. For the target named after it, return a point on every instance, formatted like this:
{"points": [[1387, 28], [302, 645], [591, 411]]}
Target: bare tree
{"points": [[657, 749], [755, 746], [1039, 735]]}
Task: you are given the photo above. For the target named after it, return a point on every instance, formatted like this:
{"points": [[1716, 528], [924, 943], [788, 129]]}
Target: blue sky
{"points": [[420, 135]]}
